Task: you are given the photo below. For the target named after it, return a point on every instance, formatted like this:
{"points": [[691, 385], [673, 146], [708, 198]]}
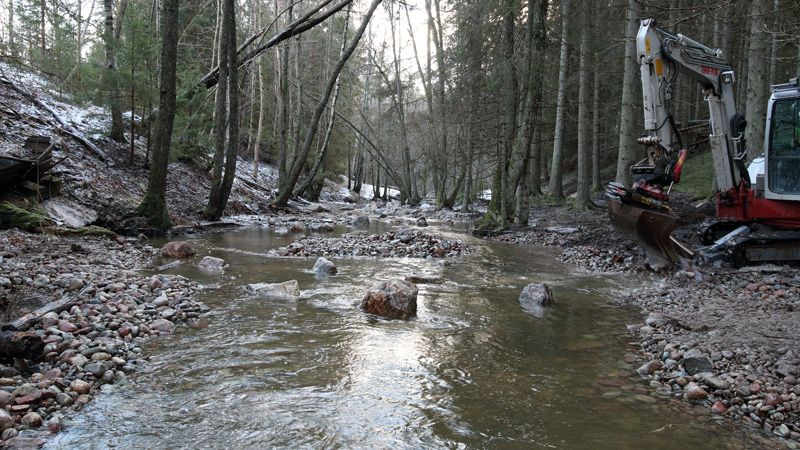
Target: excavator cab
{"points": [[782, 144]]}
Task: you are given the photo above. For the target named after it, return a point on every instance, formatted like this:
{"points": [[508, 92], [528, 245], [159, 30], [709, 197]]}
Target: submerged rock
{"points": [[650, 367], [395, 299], [177, 249], [536, 296], [324, 267], [287, 289], [321, 227], [360, 221], [422, 279], [211, 263], [694, 392], [421, 222]]}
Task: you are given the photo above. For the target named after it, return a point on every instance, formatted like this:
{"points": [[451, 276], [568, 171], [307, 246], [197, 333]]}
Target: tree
{"points": [[285, 191], [329, 130], [226, 128], [584, 175], [117, 132], [497, 212], [154, 204], [556, 189], [627, 132], [756, 106]]}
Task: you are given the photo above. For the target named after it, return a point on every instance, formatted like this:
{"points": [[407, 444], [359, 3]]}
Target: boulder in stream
{"points": [[324, 267], [422, 279], [288, 289], [360, 221], [535, 297], [396, 299], [322, 227], [210, 263], [177, 249]]}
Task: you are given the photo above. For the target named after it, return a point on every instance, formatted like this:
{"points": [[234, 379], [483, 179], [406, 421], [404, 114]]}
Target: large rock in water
{"points": [[324, 267], [536, 296], [177, 249], [396, 299], [212, 264], [287, 289], [360, 221]]}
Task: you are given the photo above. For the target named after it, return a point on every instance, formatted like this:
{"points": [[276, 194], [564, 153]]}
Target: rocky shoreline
{"points": [[110, 310], [713, 336]]}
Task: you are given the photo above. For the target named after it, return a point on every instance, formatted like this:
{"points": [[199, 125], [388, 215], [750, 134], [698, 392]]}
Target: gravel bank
{"points": [[96, 340]]}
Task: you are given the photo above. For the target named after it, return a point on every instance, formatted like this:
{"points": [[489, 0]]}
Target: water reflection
{"points": [[472, 371]]}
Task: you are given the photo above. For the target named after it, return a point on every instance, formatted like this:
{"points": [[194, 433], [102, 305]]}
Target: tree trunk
{"points": [[283, 111], [627, 128], [117, 132], [226, 128], [329, 130], [286, 191], [154, 204], [497, 211], [537, 41], [261, 108], [556, 189], [756, 107], [584, 175], [773, 60]]}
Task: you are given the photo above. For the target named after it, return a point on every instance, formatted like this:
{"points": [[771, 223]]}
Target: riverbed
{"points": [[473, 370]]}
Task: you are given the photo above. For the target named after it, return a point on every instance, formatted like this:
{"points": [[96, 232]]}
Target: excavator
{"points": [[757, 207]]}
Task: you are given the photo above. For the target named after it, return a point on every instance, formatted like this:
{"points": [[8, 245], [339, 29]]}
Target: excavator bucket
{"points": [[650, 228]]}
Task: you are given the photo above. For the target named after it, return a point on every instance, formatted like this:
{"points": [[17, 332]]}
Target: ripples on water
{"points": [[472, 371]]}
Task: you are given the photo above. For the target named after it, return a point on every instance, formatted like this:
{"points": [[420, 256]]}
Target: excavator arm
{"points": [[642, 212], [662, 57]]}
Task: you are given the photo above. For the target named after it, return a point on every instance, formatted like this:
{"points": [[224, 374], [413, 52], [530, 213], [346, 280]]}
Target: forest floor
{"points": [[716, 335]]}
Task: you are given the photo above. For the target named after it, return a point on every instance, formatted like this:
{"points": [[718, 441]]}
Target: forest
{"points": [[438, 99]]}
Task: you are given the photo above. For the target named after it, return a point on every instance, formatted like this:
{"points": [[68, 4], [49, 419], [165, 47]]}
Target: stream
{"points": [[473, 370]]}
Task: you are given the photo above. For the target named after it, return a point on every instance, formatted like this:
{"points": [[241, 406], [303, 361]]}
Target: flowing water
{"points": [[473, 370]]}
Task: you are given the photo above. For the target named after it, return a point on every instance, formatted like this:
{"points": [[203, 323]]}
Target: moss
{"points": [[13, 216], [697, 176]]}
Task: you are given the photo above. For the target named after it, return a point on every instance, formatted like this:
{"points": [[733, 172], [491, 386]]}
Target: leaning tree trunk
{"points": [[332, 118], [154, 204], [286, 191]]}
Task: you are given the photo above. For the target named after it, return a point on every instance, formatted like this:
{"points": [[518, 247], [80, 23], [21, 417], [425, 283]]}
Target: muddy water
{"points": [[474, 370]]}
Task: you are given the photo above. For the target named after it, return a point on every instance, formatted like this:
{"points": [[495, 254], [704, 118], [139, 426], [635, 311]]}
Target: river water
{"points": [[472, 371]]}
